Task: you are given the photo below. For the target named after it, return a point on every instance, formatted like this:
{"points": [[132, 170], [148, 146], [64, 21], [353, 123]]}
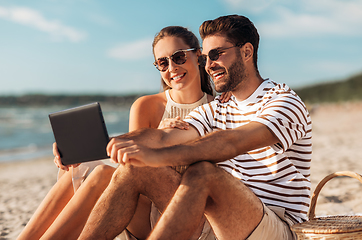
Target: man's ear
{"points": [[247, 52]]}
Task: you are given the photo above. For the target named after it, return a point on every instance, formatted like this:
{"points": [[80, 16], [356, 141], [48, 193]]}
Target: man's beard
{"points": [[236, 74]]}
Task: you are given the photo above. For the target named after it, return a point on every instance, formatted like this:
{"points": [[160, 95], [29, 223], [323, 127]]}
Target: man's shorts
{"points": [[274, 225]]}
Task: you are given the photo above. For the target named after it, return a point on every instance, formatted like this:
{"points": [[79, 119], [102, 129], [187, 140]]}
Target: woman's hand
{"points": [[57, 159], [225, 96], [173, 123]]}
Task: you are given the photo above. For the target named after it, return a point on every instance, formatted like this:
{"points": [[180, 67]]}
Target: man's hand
{"points": [[146, 147], [128, 151]]}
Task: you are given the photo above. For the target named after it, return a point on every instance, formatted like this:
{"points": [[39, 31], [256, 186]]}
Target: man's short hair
{"points": [[237, 29]]}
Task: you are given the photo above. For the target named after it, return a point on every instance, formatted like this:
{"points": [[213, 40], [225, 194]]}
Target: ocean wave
{"points": [[25, 153]]}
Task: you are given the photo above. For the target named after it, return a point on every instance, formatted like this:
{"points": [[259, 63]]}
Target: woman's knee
{"points": [[101, 174], [104, 169]]}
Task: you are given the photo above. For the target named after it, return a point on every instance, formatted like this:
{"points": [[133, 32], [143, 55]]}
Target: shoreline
{"points": [[30, 153], [336, 147]]}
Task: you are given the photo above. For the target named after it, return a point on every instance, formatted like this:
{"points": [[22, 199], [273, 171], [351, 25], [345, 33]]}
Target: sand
{"points": [[337, 130], [23, 185], [337, 146]]}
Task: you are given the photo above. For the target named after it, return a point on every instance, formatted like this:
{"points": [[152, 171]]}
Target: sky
{"points": [[104, 47]]}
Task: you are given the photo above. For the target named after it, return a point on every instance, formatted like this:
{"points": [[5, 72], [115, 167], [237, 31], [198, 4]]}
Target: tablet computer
{"points": [[80, 133]]}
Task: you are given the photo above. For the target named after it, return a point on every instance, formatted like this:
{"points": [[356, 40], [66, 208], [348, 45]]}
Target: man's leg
{"points": [[231, 208], [117, 205]]}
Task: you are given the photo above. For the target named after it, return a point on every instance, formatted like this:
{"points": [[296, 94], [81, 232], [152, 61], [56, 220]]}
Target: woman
{"points": [[63, 213]]}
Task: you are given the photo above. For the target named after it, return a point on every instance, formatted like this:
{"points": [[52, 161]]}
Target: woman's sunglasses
{"points": [[179, 57]]}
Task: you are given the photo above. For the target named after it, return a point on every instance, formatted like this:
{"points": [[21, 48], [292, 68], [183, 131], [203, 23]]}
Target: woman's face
{"points": [[176, 76]]}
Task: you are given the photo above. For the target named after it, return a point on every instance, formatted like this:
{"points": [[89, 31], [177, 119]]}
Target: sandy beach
{"points": [[23, 185], [337, 132]]}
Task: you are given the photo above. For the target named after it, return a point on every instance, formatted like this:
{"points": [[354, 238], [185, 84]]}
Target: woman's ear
{"points": [[201, 61], [198, 52]]}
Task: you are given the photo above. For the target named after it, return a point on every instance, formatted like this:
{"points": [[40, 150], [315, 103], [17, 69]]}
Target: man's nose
{"points": [[209, 64]]}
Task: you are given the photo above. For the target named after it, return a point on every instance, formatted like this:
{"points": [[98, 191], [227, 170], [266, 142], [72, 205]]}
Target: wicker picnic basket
{"points": [[330, 227]]}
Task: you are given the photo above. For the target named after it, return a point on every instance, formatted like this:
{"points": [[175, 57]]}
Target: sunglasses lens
{"points": [[162, 64], [214, 54], [179, 57]]}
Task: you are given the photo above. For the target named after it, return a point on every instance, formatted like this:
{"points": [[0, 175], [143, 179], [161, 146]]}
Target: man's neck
{"points": [[247, 87]]}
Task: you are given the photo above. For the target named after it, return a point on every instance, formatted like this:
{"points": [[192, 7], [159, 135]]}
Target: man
{"points": [[249, 172]]}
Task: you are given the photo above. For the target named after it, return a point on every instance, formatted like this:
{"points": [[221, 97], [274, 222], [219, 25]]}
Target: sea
{"points": [[26, 134]]}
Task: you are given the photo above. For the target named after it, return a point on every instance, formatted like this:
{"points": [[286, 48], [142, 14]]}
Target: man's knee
{"points": [[145, 177], [123, 172], [199, 173]]}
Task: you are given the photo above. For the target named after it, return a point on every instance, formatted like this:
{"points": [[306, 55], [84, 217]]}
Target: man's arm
{"points": [[149, 137], [216, 147]]}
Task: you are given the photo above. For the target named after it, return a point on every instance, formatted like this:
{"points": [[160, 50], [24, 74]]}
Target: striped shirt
{"points": [[280, 174]]}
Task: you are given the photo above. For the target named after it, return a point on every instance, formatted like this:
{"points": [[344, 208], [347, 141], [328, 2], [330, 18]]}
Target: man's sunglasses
{"points": [[214, 54], [179, 57]]}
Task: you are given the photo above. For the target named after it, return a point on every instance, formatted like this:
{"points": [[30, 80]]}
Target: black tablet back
{"points": [[80, 133]]}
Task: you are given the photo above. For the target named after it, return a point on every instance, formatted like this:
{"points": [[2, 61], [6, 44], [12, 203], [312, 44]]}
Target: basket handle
{"points": [[311, 214]]}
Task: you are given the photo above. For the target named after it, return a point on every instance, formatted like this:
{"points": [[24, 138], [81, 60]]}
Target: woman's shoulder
{"points": [[147, 101], [147, 111], [150, 104]]}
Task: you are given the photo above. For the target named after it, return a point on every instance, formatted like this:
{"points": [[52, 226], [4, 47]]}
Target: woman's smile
{"points": [[178, 77]]}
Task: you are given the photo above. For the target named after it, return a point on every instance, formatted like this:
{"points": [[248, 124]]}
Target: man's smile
{"points": [[218, 74]]}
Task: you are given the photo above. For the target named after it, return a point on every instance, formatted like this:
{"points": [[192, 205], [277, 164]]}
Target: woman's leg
{"points": [[71, 220], [140, 225], [49, 209]]}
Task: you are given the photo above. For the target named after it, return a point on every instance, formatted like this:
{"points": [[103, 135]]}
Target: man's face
{"points": [[228, 70]]}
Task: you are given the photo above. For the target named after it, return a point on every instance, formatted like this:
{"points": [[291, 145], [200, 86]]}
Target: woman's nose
{"points": [[172, 66]]}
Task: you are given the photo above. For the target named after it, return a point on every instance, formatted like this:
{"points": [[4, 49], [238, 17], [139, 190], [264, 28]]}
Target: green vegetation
{"points": [[341, 91]]}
